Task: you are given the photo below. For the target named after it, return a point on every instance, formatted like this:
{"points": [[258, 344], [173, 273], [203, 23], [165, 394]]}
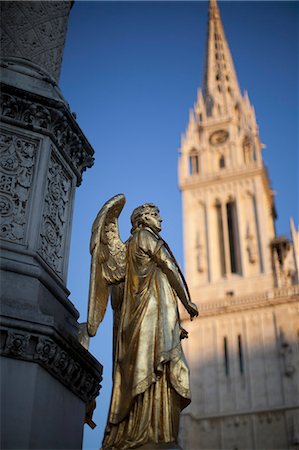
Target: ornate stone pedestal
{"points": [[47, 377]]}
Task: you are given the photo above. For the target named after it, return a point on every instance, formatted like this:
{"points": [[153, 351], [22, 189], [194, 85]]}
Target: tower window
{"points": [[233, 234], [247, 150], [219, 88], [221, 239], [193, 163], [227, 77], [240, 351], [222, 162], [226, 356], [254, 153]]}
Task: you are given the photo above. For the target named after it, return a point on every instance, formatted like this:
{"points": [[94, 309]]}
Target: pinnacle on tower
{"points": [[220, 87]]}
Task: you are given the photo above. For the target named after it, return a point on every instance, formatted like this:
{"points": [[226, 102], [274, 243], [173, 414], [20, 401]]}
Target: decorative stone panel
{"points": [[56, 214], [35, 31], [17, 160], [16, 343], [43, 116]]}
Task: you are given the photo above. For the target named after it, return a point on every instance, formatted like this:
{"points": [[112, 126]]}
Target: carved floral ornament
{"points": [[56, 360], [55, 215], [53, 121], [17, 160]]}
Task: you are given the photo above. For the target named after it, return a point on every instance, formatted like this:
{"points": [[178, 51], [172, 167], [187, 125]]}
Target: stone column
{"points": [[47, 377]]}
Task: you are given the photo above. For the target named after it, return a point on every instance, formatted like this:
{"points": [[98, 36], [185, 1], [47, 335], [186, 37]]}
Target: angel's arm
{"points": [[165, 262], [155, 248]]}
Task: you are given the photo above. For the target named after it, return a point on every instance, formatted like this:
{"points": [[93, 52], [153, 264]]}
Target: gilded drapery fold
{"points": [[150, 369]]}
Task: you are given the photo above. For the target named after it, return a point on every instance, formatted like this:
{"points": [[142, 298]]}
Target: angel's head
{"points": [[147, 215]]}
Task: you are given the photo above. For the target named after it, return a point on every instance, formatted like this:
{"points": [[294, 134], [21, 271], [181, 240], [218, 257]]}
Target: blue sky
{"points": [[131, 72]]}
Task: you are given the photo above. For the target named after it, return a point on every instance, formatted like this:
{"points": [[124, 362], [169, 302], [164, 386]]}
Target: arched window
{"points": [[209, 105], [247, 150], [193, 162], [253, 152], [221, 162], [233, 236], [218, 208]]}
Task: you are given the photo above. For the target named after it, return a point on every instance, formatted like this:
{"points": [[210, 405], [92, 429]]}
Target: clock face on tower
{"points": [[218, 137]]}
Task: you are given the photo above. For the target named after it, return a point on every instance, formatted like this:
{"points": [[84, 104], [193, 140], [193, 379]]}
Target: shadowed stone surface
{"points": [[169, 446], [47, 377]]}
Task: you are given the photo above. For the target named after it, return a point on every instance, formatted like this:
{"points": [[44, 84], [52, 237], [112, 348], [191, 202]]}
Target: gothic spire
{"points": [[220, 87]]}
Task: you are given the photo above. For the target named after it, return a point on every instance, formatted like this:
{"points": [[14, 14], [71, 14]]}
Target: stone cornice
{"points": [[64, 358], [236, 414], [49, 117], [211, 123], [240, 174], [234, 304]]}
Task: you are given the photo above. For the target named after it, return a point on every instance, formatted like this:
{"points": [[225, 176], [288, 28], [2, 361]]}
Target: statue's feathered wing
{"points": [[108, 260]]}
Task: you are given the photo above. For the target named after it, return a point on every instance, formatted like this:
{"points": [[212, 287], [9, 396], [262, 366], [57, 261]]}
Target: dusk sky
{"points": [[131, 71]]}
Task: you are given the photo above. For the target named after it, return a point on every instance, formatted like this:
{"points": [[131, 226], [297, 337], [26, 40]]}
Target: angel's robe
{"points": [[151, 376]]}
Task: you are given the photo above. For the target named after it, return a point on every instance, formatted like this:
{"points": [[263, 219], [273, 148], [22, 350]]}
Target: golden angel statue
{"points": [[151, 376]]}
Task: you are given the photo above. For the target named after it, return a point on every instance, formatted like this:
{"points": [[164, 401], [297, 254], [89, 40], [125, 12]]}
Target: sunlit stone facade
{"points": [[243, 351]]}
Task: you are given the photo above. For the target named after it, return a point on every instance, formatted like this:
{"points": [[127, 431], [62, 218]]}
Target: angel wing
{"points": [[108, 260]]}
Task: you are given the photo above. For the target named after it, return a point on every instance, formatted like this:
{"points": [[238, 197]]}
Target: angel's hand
{"points": [[184, 334], [192, 310]]}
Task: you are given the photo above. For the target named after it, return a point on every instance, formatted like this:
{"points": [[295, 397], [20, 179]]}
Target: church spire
{"points": [[220, 87]]}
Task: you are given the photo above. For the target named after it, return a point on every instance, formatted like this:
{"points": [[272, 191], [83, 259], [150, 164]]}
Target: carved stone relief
{"points": [[17, 160], [16, 343], [35, 31], [283, 262], [251, 246], [53, 121], [286, 352], [66, 366], [55, 215]]}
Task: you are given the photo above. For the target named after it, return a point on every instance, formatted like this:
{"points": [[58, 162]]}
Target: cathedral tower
{"points": [[243, 277], [228, 204]]}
